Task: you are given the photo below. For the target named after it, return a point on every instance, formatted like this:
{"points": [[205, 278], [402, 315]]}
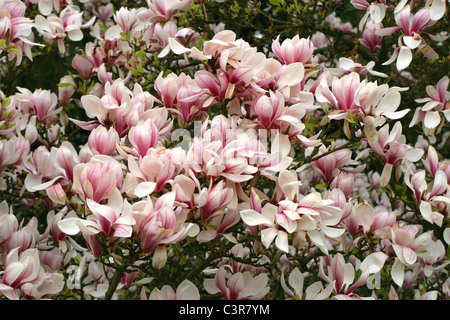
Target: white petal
{"points": [[291, 75], [93, 106], [398, 272], [386, 174], [295, 280], [267, 236], [374, 262], [210, 286], [113, 33], [176, 47], [432, 119], [447, 235], [75, 35], [282, 241], [389, 103], [187, 291], [437, 9], [143, 189], [404, 58], [69, 226], [411, 42], [253, 218], [396, 115]]}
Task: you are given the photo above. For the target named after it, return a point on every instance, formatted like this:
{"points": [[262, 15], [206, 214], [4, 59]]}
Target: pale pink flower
{"points": [[270, 229], [107, 220], [293, 50], [167, 88], [161, 9], [437, 104], [144, 136], [329, 166], [345, 182], [268, 108], [83, 66], [8, 222], [406, 243], [16, 30], [161, 226], [380, 100], [186, 290], [47, 6], [214, 200], [103, 141], [392, 148], [8, 153], [341, 96], [126, 22], [24, 276], [238, 286], [371, 40], [42, 103], [315, 291], [335, 269], [277, 222], [52, 220], [43, 170], [57, 194], [110, 109], [68, 23], [66, 89], [154, 170], [412, 26], [98, 178]]}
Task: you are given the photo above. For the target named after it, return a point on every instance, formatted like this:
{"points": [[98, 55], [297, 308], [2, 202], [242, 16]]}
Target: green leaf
{"points": [[6, 102], [62, 85]]}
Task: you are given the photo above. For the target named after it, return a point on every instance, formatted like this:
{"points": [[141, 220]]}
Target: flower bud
{"points": [[103, 141], [57, 194]]}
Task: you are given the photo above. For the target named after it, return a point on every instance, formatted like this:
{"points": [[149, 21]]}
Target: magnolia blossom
{"points": [[391, 147], [16, 31], [196, 154], [185, 291], [163, 10], [293, 50], [336, 270], [98, 178], [105, 219], [412, 25], [436, 104], [315, 291], [405, 246], [342, 95], [239, 286], [68, 23], [24, 276]]}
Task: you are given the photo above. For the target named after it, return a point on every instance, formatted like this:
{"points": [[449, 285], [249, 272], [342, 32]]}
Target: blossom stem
{"points": [[115, 282]]}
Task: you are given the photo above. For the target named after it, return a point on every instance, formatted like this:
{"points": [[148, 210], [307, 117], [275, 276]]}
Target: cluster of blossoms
{"points": [[174, 162]]}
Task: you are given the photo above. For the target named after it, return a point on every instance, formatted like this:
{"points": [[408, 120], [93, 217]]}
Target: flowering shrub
{"points": [[200, 149]]}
